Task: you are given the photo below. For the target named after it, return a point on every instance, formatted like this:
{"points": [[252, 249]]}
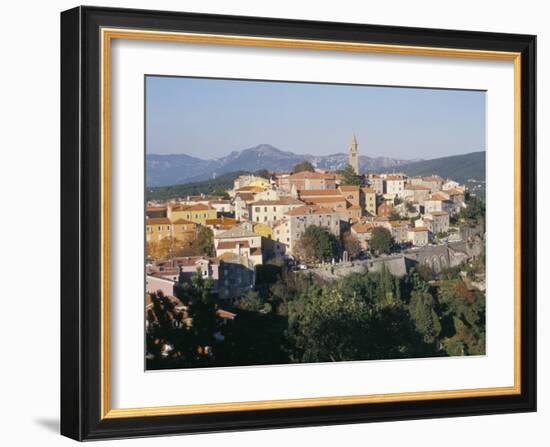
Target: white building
{"points": [[291, 228], [394, 185], [270, 211], [240, 242], [418, 236]]}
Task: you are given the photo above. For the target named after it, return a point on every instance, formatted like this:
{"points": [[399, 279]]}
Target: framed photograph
{"points": [[277, 223]]}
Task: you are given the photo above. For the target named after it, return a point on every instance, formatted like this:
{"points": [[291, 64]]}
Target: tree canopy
{"points": [[349, 177], [300, 318], [381, 240], [303, 166], [205, 242], [317, 244]]}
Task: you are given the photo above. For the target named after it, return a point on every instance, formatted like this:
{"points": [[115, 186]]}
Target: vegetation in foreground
{"points": [[293, 318]]}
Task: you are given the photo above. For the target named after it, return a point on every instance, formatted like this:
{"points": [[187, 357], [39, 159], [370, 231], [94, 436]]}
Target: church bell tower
{"points": [[353, 156]]}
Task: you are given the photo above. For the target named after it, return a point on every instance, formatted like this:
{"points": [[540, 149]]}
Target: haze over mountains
{"points": [[163, 170]]}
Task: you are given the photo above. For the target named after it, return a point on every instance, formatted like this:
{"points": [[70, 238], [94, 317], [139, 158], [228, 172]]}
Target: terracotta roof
{"points": [[349, 187], [362, 228], [354, 207], [368, 190], [183, 222], [394, 177], [225, 314], [326, 199], [309, 209], [199, 207], [455, 192], [178, 207], [418, 229], [255, 251], [319, 192], [155, 208], [246, 196], [312, 175], [157, 221], [280, 202], [227, 255], [438, 196]]}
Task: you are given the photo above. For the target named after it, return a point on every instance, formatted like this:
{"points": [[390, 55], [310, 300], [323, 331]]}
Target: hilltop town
{"points": [[324, 224]]}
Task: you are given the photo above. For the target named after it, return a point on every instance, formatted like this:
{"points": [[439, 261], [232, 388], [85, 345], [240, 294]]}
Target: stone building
{"points": [[289, 230], [353, 155], [269, 211]]}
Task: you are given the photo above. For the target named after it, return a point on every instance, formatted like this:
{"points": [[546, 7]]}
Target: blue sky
{"points": [[209, 118]]}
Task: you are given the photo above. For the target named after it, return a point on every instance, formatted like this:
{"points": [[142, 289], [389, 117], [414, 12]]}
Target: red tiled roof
{"points": [[362, 228], [280, 202], [418, 229], [157, 221], [325, 199], [312, 175], [199, 207], [438, 196], [183, 222], [349, 187], [309, 209], [319, 192]]}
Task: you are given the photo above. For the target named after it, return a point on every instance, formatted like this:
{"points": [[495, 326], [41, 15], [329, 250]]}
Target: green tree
{"points": [[349, 177], [475, 209], [220, 193], [381, 240], [317, 244], [303, 166], [422, 310], [252, 301], [334, 326], [394, 215], [264, 173], [192, 337], [351, 245], [205, 242]]}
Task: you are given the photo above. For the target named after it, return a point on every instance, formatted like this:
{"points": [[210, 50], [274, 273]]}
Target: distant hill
{"points": [[461, 168], [221, 183], [458, 167], [162, 170]]}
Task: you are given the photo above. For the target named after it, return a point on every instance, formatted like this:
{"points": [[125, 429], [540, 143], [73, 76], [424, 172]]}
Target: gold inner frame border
{"points": [[107, 35]]}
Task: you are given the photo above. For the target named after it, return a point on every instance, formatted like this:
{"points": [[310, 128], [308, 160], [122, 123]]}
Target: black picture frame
{"points": [[81, 219]]}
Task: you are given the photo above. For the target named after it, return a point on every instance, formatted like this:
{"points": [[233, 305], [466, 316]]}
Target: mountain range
{"points": [[467, 169], [462, 168], [172, 169]]}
